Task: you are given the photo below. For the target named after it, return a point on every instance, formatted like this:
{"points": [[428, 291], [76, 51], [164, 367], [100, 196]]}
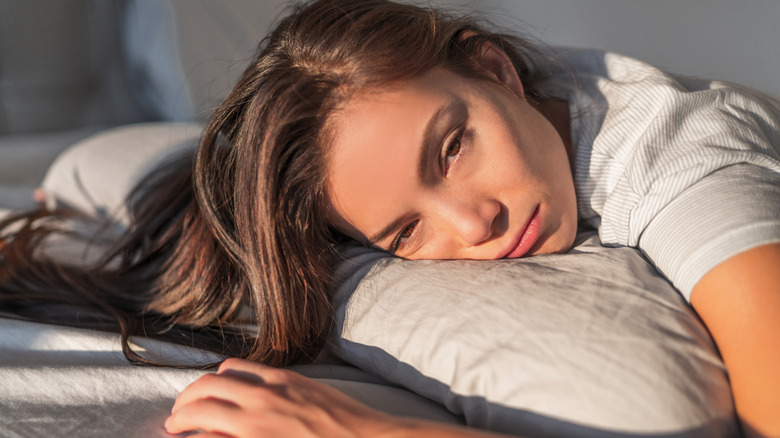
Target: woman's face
{"points": [[447, 167]]}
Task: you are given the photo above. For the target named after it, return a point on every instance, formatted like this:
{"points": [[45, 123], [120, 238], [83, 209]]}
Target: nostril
{"points": [[500, 223], [495, 219]]}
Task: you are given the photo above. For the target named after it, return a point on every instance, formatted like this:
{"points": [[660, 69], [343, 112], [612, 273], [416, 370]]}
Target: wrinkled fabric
{"points": [[63, 382], [593, 343]]}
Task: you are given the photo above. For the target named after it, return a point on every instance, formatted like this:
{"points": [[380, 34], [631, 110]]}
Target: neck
{"points": [[557, 113]]}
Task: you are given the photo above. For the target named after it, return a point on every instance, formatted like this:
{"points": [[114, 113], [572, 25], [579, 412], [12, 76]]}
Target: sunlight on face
{"points": [[445, 167]]}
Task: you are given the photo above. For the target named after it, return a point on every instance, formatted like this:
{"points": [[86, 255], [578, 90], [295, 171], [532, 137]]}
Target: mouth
{"points": [[527, 238]]}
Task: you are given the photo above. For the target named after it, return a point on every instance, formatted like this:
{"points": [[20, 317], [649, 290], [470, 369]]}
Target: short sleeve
{"points": [[727, 212]]}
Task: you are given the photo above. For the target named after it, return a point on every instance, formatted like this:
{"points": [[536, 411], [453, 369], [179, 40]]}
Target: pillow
{"points": [[95, 175], [592, 343]]}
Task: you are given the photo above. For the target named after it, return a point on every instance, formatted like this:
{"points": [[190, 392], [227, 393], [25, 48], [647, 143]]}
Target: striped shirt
{"points": [[687, 170]]}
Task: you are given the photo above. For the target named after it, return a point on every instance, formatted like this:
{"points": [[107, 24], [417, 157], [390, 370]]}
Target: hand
{"points": [[245, 399]]}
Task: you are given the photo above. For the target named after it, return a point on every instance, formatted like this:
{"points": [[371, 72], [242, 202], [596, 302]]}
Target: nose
{"points": [[472, 221]]}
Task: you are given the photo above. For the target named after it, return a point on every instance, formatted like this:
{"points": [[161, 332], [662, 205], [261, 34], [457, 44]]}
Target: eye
{"points": [[451, 152], [400, 240]]}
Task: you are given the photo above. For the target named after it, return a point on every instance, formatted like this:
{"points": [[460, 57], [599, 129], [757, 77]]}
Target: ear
{"points": [[498, 64]]}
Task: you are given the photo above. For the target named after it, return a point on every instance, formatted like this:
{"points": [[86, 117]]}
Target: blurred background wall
{"points": [[734, 40], [74, 63]]}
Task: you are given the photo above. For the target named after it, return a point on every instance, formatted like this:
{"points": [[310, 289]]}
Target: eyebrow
{"points": [[429, 141]]}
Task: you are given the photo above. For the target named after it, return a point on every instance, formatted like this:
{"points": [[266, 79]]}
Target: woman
{"points": [[428, 137]]}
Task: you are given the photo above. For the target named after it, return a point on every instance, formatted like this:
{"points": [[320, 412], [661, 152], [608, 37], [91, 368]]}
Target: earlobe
{"points": [[497, 62]]}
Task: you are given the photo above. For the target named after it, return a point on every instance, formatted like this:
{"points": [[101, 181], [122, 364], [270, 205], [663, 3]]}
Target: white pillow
{"points": [[592, 343], [95, 175]]}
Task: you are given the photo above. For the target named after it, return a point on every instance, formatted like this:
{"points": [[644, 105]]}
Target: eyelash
{"points": [[457, 144], [404, 235]]}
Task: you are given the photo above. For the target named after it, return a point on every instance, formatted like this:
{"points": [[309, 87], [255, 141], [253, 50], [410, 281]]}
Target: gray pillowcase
{"points": [[593, 343]]}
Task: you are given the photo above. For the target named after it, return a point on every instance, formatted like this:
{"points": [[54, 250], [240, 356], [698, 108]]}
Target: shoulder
{"points": [[632, 120], [627, 85], [642, 137]]}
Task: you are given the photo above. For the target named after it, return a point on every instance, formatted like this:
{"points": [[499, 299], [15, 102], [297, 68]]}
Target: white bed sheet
{"points": [[65, 382]]}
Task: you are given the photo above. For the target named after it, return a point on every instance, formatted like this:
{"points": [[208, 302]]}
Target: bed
{"points": [[592, 343]]}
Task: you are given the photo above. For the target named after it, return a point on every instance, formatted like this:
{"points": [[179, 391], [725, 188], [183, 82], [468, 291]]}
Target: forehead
{"points": [[375, 146]]}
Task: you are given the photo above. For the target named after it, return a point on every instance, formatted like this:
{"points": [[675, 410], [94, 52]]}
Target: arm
{"points": [[739, 301], [245, 399]]}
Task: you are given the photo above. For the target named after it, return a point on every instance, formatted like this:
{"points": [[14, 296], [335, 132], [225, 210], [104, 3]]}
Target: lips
{"points": [[528, 238]]}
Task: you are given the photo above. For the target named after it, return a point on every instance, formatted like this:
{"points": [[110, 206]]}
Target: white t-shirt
{"points": [[687, 170]]}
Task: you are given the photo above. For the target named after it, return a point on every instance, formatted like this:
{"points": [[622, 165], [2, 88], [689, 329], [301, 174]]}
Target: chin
{"points": [[569, 242], [566, 234], [559, 243], [553, 249]]}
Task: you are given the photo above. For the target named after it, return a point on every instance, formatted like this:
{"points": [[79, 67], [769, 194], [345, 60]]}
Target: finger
{"points": [[206, 415], [221, 387], [241, 365], [209, 435], [288, 384], [243, 369], [255, 372]]}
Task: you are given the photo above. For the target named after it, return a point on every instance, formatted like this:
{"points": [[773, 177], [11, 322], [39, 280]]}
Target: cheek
{"points": [[540, 153], [505, 162], [510, 145], [438, 246]]}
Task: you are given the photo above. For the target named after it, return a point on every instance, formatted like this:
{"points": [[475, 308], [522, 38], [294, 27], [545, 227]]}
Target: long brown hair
{"points": [[231, 251]]}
